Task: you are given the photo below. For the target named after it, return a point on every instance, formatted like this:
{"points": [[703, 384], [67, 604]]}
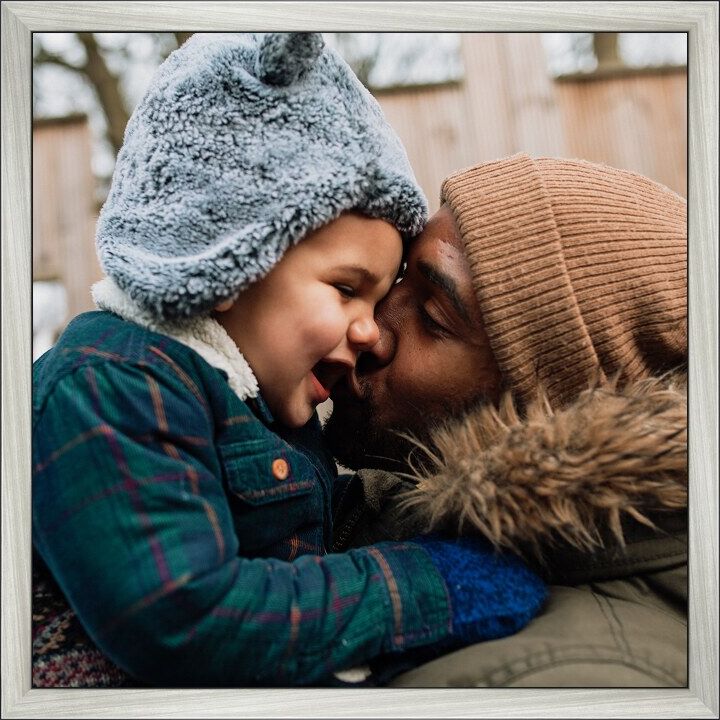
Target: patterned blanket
{"points": [[62, 653]]}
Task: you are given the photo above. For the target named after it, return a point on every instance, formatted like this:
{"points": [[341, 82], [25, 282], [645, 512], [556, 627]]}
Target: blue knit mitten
{"points": [[491, 594]]}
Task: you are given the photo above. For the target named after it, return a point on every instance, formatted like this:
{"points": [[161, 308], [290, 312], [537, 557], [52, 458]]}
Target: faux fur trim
{"points": [[567, 475], [203, 334]]}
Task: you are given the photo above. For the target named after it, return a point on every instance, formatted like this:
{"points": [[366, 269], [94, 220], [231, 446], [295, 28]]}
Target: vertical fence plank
{"points": [[508, 102], [636, 122], [63, 213]]}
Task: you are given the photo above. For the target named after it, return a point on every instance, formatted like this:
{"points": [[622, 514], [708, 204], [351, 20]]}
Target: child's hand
{"points": [[491, 594]]}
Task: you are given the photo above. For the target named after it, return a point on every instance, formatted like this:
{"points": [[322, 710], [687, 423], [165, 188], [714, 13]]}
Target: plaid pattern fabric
{"points": [[189, 558]]}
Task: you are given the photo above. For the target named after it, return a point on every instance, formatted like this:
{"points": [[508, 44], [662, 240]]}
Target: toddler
{"points": [[182, 499]]}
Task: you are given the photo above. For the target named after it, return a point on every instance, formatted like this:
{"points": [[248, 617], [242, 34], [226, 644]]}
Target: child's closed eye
{"points": [[345, 290]]}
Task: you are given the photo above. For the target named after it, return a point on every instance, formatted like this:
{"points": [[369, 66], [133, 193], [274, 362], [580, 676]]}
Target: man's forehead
{"points": [[439, 257], [441, 242]]}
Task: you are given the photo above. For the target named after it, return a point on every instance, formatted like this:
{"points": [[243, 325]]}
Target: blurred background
{"points": [[455, 99]]}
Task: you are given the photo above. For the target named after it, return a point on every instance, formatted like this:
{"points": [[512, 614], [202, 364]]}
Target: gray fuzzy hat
{"points": [[243, 145]]}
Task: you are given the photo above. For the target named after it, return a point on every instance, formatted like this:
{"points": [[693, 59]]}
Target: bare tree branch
{"points": [[182, 37], [105, 83], [42, 56], [361, 53], [107, 86]]}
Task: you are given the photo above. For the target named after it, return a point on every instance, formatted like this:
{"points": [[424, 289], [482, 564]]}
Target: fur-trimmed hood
{"points": [[572, 477]]}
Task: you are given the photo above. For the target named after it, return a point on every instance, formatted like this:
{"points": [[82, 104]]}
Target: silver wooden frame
{"points": [[20, 19]]}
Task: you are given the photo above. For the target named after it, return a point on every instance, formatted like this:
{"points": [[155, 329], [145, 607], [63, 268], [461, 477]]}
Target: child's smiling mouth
{"points": [[321, 392], [324, 376]]}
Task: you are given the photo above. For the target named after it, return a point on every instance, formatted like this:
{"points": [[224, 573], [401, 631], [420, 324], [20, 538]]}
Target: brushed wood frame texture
{"points": [[20, 19]]}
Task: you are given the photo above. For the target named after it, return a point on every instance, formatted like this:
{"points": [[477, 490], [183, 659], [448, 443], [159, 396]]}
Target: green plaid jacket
{"points": [[189, 553]]}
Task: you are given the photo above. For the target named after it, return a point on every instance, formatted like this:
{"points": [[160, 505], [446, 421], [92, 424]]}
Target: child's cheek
{"points": [[327, 328]]}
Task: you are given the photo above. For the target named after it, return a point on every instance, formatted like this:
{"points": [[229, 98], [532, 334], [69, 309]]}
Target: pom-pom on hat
{"points": [[243, 145]]}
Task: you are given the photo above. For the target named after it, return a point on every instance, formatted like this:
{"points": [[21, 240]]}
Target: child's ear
{"points": [[225, 305]]}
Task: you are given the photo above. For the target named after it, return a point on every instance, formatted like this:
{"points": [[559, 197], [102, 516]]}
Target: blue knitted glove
{"points": [[491, 594]]}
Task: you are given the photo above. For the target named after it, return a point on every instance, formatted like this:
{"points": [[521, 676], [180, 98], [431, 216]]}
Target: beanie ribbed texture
{"points": [[580, 271]]}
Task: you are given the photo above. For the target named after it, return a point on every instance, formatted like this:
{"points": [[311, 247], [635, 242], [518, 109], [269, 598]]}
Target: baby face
{"points": [[302, 326]]}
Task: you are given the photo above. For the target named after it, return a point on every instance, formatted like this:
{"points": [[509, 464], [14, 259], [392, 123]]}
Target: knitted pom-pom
{"points": [[284, 58]]}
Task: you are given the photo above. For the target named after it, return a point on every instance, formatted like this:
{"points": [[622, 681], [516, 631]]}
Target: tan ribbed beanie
{"points": [[580, 270]]}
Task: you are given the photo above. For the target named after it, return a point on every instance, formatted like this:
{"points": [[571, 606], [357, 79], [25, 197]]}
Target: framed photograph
{"points": [[398, 69]]}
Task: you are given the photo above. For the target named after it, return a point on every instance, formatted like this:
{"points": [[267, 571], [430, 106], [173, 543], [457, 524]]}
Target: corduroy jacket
{"points": [[162, 504]]}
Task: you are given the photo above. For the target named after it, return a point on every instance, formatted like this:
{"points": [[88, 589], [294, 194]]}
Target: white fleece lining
{"points": [[205, 335]]}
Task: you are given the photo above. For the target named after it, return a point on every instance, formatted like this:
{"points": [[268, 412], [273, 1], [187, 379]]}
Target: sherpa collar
{"points": [[203, 334]]}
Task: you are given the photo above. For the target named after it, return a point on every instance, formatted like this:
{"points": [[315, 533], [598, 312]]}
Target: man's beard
{"points": [[357, 440]]}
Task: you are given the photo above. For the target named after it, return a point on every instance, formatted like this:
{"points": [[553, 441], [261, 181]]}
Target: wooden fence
{"points": [[507, 103], [63, 209]]}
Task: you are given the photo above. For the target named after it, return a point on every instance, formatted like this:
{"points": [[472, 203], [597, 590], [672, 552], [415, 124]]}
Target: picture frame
{"points": [[698, 19]]}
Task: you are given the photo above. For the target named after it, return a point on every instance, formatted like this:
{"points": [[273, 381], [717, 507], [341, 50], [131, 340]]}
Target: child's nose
{"points": [[363, 333]]}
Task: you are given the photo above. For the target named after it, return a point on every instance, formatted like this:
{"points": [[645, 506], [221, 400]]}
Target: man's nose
{"points": [[382, 351]]}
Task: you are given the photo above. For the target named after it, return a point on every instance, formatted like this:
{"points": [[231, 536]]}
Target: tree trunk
{"points": [[606, 50], [181, 37], [107, 86]]}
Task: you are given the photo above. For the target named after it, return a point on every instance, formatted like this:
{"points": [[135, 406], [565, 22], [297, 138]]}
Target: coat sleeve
{"points": [[130, 514]]}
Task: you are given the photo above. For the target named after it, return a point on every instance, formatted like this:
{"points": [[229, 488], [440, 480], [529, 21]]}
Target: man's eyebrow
{"points": [[447, 284]]}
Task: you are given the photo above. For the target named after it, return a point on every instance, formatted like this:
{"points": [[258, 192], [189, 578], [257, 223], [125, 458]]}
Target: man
{"points": [[528, 386]]}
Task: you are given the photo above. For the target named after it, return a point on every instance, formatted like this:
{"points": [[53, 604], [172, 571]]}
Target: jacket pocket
{"points": [[276, 500], [259, 474]]}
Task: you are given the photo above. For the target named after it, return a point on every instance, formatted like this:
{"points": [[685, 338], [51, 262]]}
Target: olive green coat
{"points": [[595, 497]]}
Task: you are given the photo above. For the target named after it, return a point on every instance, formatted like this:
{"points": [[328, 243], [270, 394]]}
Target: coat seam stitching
{"points": [[647, 668], [598, 599]]}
